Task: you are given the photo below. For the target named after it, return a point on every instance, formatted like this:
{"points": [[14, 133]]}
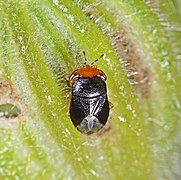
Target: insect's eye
{"points": [[102, 75], [73, 76]]}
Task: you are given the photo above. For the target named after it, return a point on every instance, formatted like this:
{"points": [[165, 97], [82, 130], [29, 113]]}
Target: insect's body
{"points": [[89, 106]]}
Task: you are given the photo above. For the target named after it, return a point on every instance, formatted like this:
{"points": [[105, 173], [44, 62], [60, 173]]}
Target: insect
{"points": [[89, 106]]}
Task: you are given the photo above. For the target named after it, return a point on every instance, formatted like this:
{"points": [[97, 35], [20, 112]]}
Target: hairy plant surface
{"points": [[41, 44]]}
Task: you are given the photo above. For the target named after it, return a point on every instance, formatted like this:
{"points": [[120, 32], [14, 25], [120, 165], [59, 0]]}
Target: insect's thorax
{"points": [[88, 87]]}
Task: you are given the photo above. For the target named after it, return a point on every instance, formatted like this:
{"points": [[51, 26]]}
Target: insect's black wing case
{"points": [[89, 97], [82, 107]]}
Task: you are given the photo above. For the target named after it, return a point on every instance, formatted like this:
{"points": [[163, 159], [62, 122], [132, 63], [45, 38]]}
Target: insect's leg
{"points": [[69, 95], [110, 105]]}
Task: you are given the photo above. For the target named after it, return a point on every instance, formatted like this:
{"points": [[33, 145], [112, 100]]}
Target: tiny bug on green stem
{"points": [[89, 106]]}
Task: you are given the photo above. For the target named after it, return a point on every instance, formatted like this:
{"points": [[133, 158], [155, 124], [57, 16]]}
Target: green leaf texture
{"points": [[41, 44]]}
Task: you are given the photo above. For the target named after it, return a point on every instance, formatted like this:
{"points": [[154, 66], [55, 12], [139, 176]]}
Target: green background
{"points": [[41, 43]]}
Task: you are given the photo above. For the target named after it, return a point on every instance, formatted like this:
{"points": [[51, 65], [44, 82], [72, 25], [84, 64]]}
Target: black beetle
{"points": [[89, 106]]}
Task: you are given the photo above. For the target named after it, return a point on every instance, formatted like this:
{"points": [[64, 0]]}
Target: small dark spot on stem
{"points": [[10, 103], [9, 110]]}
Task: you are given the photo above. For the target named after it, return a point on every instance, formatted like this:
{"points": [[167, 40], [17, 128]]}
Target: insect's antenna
{"points": [[85, 58], [102, 55]]}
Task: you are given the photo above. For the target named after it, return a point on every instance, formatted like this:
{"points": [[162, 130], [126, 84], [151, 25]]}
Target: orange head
{"points": [[87, 72]]}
